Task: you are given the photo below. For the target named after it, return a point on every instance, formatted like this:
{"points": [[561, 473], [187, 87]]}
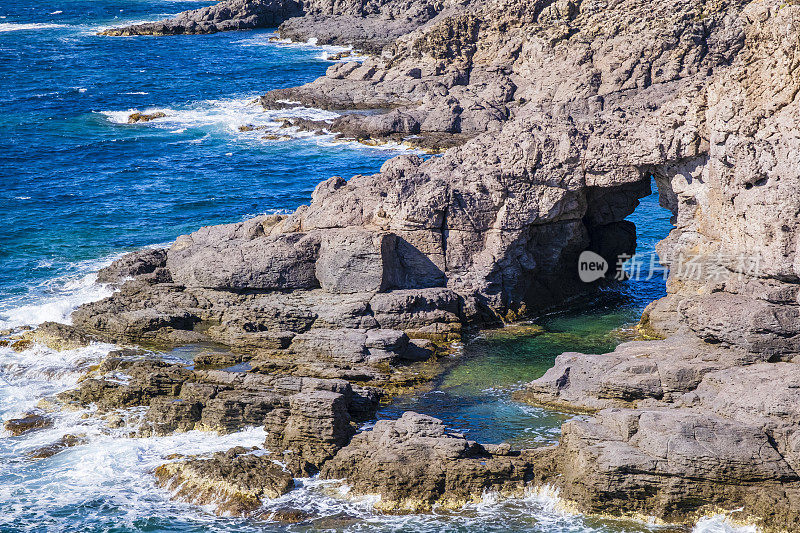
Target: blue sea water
{"points": [[80, 186]]}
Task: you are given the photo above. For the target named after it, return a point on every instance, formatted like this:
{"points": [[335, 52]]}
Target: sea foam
{"points": [[19, 26], [326, 52], [722, 524], [53, 303]]}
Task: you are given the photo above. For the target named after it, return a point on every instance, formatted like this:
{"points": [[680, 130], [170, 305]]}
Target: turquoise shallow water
{"points": [[81, 186], [475, 396]]}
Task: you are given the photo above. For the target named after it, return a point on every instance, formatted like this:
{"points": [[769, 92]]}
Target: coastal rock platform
{"points": [[557, 115]]}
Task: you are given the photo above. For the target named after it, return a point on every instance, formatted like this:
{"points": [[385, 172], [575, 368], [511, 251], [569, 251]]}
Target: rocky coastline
{"points": [[552, 117]]}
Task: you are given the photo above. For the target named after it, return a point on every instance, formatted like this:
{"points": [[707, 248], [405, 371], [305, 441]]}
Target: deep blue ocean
{"points": [[80, 186]]}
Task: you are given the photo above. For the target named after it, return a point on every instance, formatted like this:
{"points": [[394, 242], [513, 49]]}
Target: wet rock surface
{"points": [[28, 423], [145, 117], [308, 419], [55, 336], [414, 463], [235, 482], [67, 441]]}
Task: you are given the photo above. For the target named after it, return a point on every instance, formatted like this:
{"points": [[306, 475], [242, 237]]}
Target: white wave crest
{"points": [[119, 23], [226, 117], [326, 52], [30, 375], [19, 26], [54, 299], [53, 307], [722, 524], [114, 469]]}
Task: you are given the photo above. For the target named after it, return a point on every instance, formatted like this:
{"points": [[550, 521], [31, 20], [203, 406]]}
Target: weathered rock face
{"points": [[730, 440], [307, 419], [367, 26], [55, 336], [413, 463], [140, 263], [236, 482], [719, 390], [675, 463], [241, 256], [683, 428]]}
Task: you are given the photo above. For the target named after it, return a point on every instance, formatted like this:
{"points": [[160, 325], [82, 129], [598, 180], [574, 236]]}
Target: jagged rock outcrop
{"points": [[706, 417], [367, 25], [235, 482], [138, 263], [227, 15], [728, 440], [414, 463], [307, 419]]}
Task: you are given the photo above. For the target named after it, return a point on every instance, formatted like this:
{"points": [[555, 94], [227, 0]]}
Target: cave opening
{"points": [[476, 396]]}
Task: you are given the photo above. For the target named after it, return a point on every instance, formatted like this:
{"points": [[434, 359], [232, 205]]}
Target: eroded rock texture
{"points": [[414, 463], [235, 482], [703, 417]]}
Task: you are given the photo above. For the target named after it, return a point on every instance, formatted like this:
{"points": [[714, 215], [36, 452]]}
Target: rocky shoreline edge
{"points": [[564, 110]]}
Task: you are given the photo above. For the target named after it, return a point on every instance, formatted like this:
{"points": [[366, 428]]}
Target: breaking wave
{"points": [[20, 26]]}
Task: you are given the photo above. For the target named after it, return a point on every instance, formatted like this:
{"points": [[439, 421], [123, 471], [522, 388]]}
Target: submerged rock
{"points": [[145, 117], [28, 423], [288, 516], [235, 482], [67, 441]]}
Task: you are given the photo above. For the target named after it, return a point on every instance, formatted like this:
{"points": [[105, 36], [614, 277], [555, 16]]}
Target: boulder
{"points": [[235, 483], [133, 264], [356, 260], [28, 423], [241, 256], [414, 464]]}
